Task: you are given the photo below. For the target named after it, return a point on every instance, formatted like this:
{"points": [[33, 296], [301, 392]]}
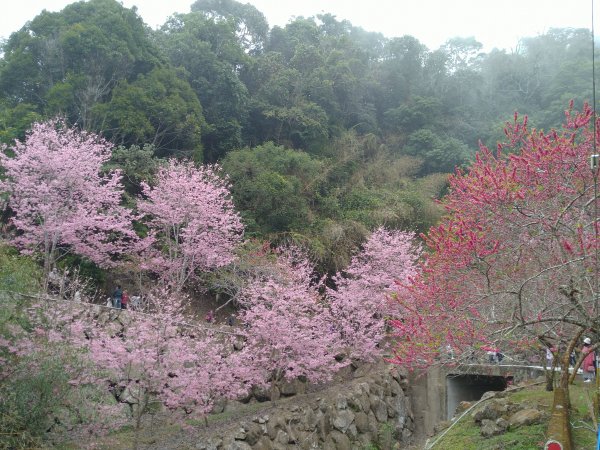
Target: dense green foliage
{"points": [[24, 400], [17, 273], [326, 130]]}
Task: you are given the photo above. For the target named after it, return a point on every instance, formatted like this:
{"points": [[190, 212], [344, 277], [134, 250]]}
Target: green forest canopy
{"points": [[326, 130]]}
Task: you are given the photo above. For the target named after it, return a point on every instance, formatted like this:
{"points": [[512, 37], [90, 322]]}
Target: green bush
{"points": [[28, 401], [17, 273]]}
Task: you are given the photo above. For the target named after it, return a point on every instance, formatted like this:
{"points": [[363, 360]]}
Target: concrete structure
{"points": [[436, 394]]}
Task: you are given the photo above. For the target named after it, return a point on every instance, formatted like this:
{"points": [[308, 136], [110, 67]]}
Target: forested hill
{"points": [[326, 130]]}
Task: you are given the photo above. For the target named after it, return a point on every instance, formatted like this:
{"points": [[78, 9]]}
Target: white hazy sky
{"points": [[494, 23]]}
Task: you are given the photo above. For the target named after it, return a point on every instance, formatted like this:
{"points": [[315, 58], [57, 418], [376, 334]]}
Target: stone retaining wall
{"points": [[366, 406], [372, 408]]}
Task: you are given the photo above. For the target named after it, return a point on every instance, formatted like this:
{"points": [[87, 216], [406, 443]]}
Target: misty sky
{"points": [[494, 23]]}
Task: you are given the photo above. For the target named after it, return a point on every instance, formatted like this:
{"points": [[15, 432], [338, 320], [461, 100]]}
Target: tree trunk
{"points": [[550, 378], [559, 428], [564, 376]]}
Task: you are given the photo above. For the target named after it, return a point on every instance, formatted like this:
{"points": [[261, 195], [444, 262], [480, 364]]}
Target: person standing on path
{"points": [[124, 299], [550, 357], [117, 297], [589, 362]]}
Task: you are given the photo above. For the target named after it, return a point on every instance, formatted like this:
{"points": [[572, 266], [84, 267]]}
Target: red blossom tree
{"points": [[360, 302], [514, 261], [192, 221], [61, 199], [288, 329]]}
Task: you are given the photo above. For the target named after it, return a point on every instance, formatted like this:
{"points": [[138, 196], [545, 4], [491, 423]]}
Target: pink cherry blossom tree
{"points": [[160, 356], [45, 371], [140, 358], [62, 200], [514, 263], [192, 221], [288, 329], [361, 302]]}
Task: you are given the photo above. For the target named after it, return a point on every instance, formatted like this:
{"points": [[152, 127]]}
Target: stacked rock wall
{"points": [[370, 411], [366, 407]]}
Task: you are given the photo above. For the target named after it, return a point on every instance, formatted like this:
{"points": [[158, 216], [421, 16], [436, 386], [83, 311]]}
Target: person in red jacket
{"points": [[589, 362], [124, 300]]}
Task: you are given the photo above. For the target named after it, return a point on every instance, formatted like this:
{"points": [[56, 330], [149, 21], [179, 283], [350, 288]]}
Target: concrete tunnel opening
{"points": [[470, 388]]}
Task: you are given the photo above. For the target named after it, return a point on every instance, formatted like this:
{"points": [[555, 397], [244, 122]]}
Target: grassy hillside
{"points": [[466, 434]]}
